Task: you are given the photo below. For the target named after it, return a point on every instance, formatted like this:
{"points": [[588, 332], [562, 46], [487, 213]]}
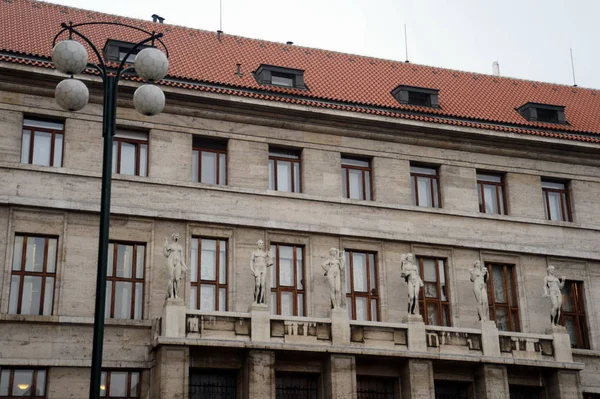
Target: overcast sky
{"points": [[529, 38]]}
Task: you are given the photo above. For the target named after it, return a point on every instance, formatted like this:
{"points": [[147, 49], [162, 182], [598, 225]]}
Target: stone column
{"points": [[417, 339], [170, 374], [562, 384], [260, 374], [416, 379], [491, 382], [340, 377]]}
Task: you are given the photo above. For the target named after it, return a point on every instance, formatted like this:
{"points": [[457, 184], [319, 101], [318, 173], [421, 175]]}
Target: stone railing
{"points": [[370, 334], [526, 346], [304, 330], [453, 340], [217, 325]]}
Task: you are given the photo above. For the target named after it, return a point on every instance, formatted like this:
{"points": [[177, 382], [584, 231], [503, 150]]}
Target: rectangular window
{"points": [[502, 296], [42, 142], [32, 276], [425, 186], [356, 178], [130, 153], [556, 201], [573, 314], [369, 387], [208, 274], [209, 161], [282, 79], [284, 170], [525, 392], [221, 384], [451, 390], [120, 384], [296, 386], [490, 189], [361, 286], [125, 280], [434, 304], [287, 281], [19, 383]]}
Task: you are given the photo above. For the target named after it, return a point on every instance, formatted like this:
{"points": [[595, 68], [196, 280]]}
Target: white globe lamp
{"points": [[151, 64], [70, 57], [71, 94], [149, 100]]}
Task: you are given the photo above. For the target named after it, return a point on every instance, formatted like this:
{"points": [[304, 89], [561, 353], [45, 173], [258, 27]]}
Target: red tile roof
{"points": [[335, 80]]}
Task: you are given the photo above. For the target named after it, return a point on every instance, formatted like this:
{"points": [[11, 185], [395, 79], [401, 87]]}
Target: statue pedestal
{"points": [[561, 343], [340, 327], [260, 322], [416, 337], [490, 339], [173, 318]]}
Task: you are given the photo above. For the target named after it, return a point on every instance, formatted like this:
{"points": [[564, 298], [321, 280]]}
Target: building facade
{"points": [[225, 170]]}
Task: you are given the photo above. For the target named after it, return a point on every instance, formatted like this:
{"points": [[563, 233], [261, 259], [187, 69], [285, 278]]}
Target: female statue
{"points": [[410, 272], [334, 268], [552, 289], [479, 276], [176, 267]]}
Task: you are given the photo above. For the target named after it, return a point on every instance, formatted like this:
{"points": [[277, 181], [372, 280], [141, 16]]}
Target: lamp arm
{"points": [[101, 67]]}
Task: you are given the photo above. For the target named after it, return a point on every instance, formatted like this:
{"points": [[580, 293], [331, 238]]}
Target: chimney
{"points": [[157, 18], [219, 33], [289, 43], [496, 68]]}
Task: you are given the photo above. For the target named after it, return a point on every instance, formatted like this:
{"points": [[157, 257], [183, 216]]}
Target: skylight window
{"points": [[418, 96], [116, 50], [543, 113], [280, 76]]}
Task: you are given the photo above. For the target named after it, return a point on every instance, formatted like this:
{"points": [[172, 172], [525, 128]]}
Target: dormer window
{"points": [[543, 113], [279, 76], [115, 50], [418, 96]]}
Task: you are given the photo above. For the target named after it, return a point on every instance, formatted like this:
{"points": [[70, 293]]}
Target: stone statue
{"points": [[410, 272], [335, 272], [552, 289], [260, 260], [176, 267], [479, 277]]}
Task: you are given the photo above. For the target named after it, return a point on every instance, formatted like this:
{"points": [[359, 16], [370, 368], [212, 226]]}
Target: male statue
{"points": [[552, 289], [410, 272], [334, 269], [260, 260], [479, 277], [176, 267]]}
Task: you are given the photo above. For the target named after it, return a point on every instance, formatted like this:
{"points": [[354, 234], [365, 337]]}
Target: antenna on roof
{"points": [[221, 15], [405, 44], [573, 68]]}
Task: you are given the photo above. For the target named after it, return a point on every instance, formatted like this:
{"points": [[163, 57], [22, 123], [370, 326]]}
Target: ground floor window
{"points": [[451, 390], [369, 387], [296, 386], [214, 384], [18, 383], [525, 392]]}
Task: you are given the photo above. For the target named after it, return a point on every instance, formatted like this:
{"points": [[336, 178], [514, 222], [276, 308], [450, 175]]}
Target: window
{"points": [[32, 276], [18, 383], [556, 200], [120, 384], [296, 386], [356, 178], [433, 302], [130, 153], [361, 286], [502, 295], [543, 112], [591, 395], [284, 170], [425, 186], [116, 50], [287, 281], [42, 142], [209, 161], [418, 96], [369, 387], [208, 274], [125, 280], [280, 76], [221, 384], [573, 314], [490, 189], [524, 392], [451, 390]]}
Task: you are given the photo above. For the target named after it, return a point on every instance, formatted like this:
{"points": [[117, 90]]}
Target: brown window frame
{"points": [[129, 372], [54, 132], [33, 381], [513, 325], [346, 167], [113, 279], [208, 145], [278, 289], [218, 286], [498, 187], [296, 164], [578, 313], [443, 306], [371, 286], [44, 274], [564, 201], [432, 178], [117, 156]]}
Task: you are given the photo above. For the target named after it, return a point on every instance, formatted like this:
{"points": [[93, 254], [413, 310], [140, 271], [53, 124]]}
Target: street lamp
{"points": [[71, 57]]}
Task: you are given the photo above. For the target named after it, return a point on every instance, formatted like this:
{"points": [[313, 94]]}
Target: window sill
{"points": [[585, 352], [82, 320]]}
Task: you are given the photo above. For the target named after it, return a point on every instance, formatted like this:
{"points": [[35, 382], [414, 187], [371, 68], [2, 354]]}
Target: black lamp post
{"points": [[151, 64]]}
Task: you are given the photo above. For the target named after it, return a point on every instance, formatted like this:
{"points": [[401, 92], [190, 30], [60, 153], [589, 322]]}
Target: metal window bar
{"points": [[297, 386], [211, 385], [375, 388]]}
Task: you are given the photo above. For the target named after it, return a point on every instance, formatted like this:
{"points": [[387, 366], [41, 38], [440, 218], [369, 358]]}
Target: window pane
{"points": [[139, 301], [296, 167], [502, 319], [368, 185], [34, 261], [273, 302], [22, 383], [511, 293], [284, 176], [14, 294], [111, 255], [140, 256], [359, 269], [193, 297], [222, 299], [361, 309], [567, 304], [423, 170], [125, 261], [271, 174], [490, 178], [17, 253], [356, 184], [372, 266], [122, 300], [355, 162], [286, 266], [108, 299], [118, 384], [501, 192], [432, 314], [571, 327], [48, 296], [554, 203], [491, 202], [429, 270], [58, 147], [4, 382], [374, 310], [554, 185], [300, 305], [282, 80], [40, 384], [143, 160], [103, 384], [194, 261], [42, 142], [431, 290], [223, 262], [344, 183], [299, 267], [222, 169], [287, 303], [31, 298], [498, 277], [209, 260], [425, 194], [413, 190], [51, 261], [135, 379], [127, 161], [442, 271], [209, 167], [195, 156], [25, 146], [207, 297], [115, 154]]}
